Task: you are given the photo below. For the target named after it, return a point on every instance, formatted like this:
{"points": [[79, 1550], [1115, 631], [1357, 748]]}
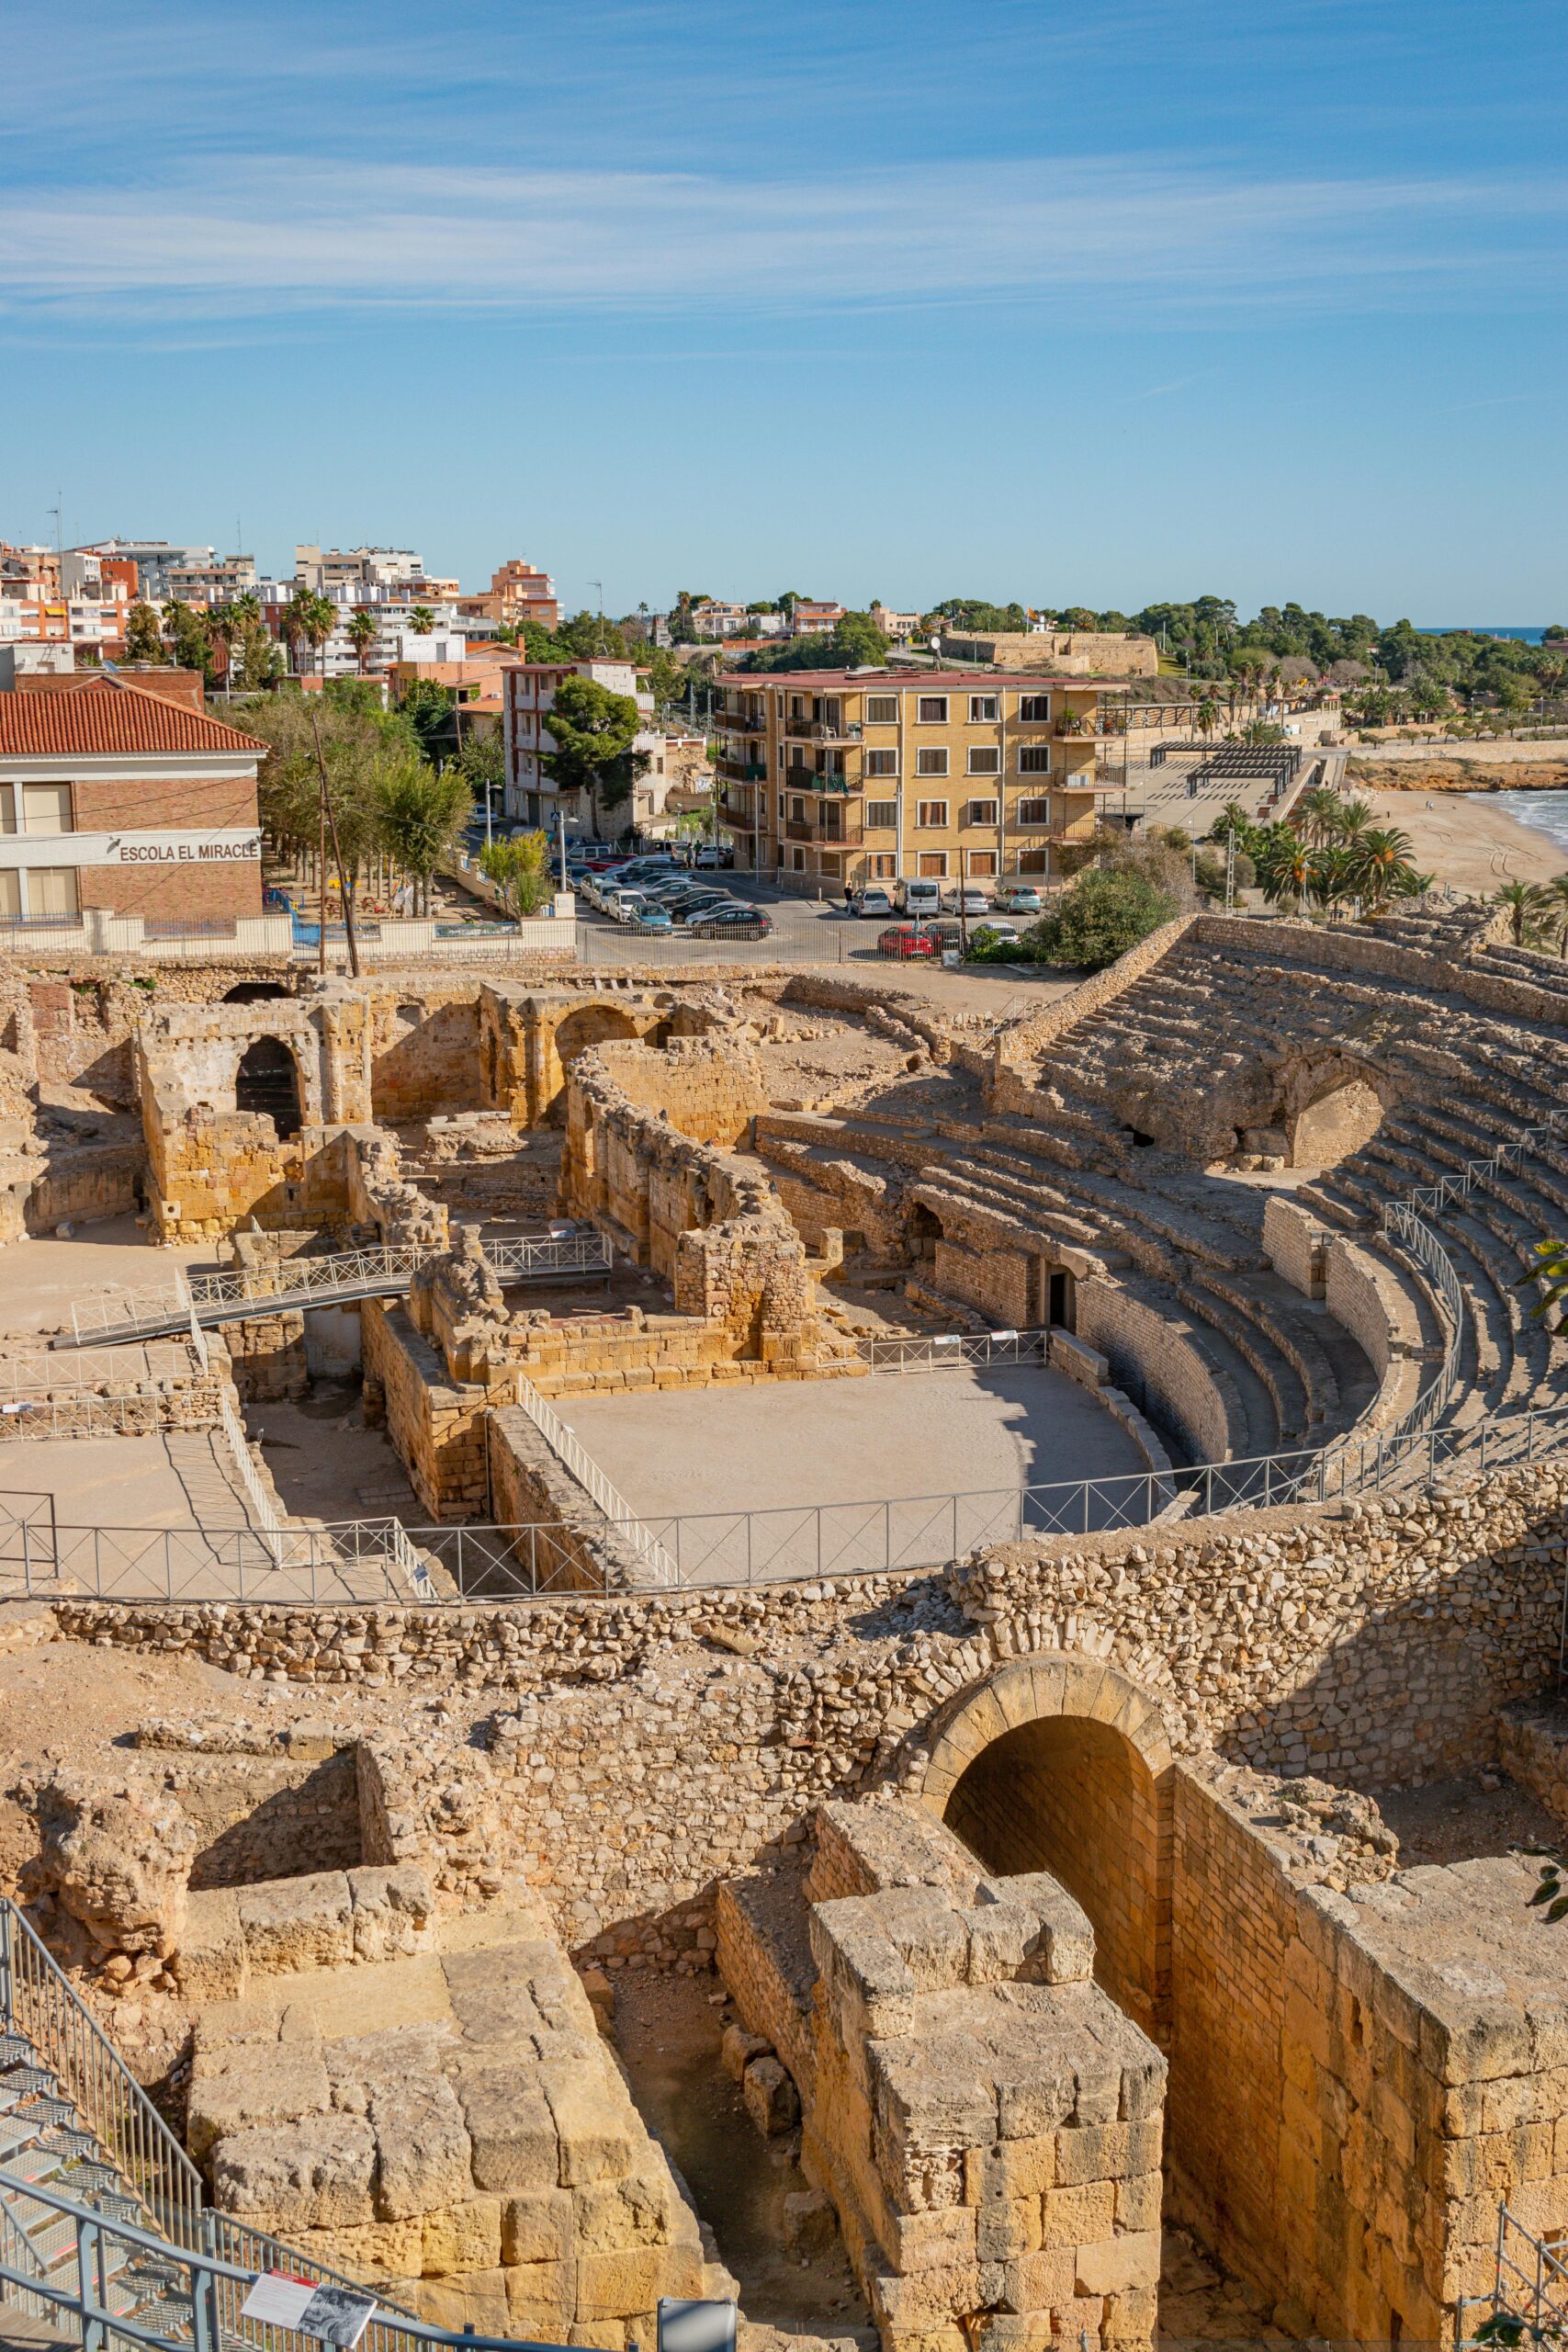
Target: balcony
{"points": [[742, 771], [820, 780], [847, 836], [730, 812], [740, 722], [823, 730]]}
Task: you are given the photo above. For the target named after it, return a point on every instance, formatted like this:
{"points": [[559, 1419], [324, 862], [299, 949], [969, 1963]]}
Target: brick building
{"points": [[842, 777], [112, 796]]}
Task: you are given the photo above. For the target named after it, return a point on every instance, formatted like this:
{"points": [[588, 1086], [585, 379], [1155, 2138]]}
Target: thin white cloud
{"points": [[272, 235]]}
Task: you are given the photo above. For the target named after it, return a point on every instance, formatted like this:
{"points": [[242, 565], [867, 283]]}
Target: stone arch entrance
{"points": [[1060, 1763], [267, 1082]]}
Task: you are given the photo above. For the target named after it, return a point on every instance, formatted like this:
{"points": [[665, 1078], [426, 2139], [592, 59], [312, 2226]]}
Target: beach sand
{"points": [[1472, 842]]}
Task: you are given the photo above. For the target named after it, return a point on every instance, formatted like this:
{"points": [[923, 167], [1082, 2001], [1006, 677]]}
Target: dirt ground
{"points": [[668, 2030], [1469, 1818]]}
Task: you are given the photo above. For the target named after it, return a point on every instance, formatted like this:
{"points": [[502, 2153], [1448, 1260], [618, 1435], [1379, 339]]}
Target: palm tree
{"points": [[1284, 867], [1555, 913], [1353, 819], [1205, 716], [1332, 878], [422, 620], [1530, 910], [362, 636], [1319, 817], [1382, 861]]}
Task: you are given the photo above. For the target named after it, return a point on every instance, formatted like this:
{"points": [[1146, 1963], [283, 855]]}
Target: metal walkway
{"points": [[298, 1283]]}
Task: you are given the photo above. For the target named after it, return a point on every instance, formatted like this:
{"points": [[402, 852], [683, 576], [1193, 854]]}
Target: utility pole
{"points": [[599, 634]]}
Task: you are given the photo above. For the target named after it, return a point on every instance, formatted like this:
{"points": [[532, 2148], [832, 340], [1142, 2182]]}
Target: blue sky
{"points": [[1128, 301]]}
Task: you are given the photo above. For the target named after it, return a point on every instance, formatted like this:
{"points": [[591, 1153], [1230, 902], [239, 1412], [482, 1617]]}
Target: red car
{"points": [[904, 940]]}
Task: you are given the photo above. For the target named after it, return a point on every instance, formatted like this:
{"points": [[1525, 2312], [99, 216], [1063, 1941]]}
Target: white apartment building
{"points": [[156, 561], [529, 792]]}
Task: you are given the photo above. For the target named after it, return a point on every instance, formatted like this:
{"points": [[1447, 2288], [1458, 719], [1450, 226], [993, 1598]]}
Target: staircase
{"points": [[102, 2223]]}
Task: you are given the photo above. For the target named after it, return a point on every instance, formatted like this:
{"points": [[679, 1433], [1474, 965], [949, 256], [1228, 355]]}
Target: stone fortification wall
{"points": [[1369, 1643]]}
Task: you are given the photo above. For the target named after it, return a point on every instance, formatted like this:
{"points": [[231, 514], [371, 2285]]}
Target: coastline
{"points": [[1468, 842]]}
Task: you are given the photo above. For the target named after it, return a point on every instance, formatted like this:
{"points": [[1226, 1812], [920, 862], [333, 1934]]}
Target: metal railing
{"points": [[298, 1283], [941, 1351], [37, 2002], [1529, 2287], [569, 1450], [352, 1563], [112, 2282], [363, 1562]]}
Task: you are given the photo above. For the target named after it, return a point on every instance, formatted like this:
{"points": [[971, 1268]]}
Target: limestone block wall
{"points": [[424, 1048], [95, 1181], [437, 1426], [1372, 1304], [987, 2124], [1294, 1243], [1162, 1356], [1532, 1748], [1384, 2060], [707, 1090]]}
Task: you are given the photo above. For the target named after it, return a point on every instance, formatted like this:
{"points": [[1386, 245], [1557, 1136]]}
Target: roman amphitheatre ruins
{"points": [[731, 1634]]}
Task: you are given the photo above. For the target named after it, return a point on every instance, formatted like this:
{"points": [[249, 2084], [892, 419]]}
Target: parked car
{"points": [[872, 899], [649, 917], [625, 905], [731, 923], [1019, 899], [712, 853], [697, 903], [966, 899], [995, 933], [916, 895], [904, 940]]}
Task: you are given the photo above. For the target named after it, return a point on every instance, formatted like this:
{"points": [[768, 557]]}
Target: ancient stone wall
{"points": [[1162, 1357], [564, 1542]]}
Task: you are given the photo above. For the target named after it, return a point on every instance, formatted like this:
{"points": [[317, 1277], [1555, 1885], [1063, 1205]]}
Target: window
{"points": [[797, 809], [985, 759], [1035, 759], [1034, 710], [933, 861], [981, 707], [931, 812], [1034, 861], [981, 861], [10, 893], [882, 815], [51, 890], [797, 861], [931, 763], [881, 763], [781, 804], [932, 710], [7, 808], [981, 812], [882, 867], [1035, 812], [882, 710]]}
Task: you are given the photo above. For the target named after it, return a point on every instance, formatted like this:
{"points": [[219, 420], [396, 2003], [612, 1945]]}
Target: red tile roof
{"points": [[109, 715]]}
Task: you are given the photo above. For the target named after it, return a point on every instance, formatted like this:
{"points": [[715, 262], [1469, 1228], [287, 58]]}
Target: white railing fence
{"points": [[569, 1450]]}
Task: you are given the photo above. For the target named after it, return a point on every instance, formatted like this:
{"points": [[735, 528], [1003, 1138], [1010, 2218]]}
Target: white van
{"points": [[918, 896]]}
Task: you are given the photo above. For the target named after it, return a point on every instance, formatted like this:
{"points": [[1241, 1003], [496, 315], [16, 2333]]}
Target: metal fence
{"points": [[362, 1562], [568, 1449]]}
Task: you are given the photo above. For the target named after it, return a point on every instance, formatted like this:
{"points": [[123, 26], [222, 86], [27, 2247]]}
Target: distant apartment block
{"points": [[518, 592], [45, 597], [900, 627], [840, 778], [815, 617], [156, 561]]}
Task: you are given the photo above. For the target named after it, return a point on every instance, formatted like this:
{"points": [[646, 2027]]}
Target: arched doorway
{"points": [[922, 1229], [267, 1082], [1061, 1764]]}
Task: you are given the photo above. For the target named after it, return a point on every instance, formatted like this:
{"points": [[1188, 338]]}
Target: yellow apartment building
{"points": [[831, 778]]}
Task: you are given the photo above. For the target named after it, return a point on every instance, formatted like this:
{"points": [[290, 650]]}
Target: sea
{"points": [[1543, 812], [1524, 636]]}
